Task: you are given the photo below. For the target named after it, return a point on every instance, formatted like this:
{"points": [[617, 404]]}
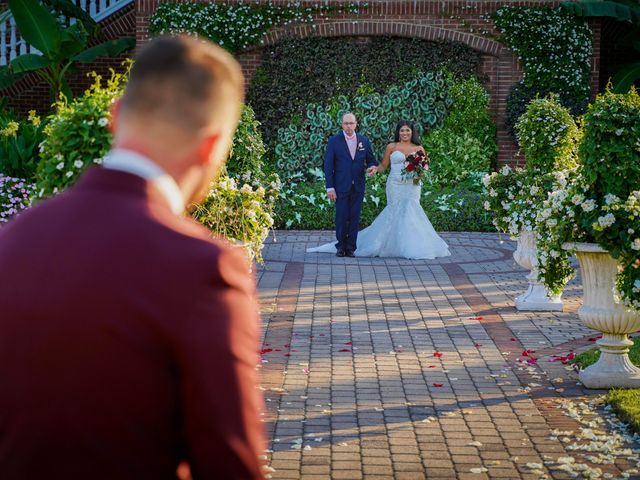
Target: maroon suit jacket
{"points": [[128, 341]]}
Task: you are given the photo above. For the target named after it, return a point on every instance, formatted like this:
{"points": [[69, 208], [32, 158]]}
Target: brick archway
{"points": [[498, 65], [357, 28]]}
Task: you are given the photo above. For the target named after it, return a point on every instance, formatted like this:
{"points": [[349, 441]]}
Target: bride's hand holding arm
{"points": [[385, 159]]}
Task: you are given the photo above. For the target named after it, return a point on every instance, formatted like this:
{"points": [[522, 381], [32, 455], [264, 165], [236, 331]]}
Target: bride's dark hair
{"points": [[415, 138]]}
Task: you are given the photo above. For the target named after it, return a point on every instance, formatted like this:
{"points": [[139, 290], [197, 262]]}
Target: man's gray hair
{"points": [[349, 113]]}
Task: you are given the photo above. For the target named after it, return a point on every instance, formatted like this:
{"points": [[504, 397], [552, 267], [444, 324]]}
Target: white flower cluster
{"points": [[236, 26], [554, 48]]}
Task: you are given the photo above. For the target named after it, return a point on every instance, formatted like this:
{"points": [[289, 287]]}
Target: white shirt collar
{"points": [[352, 138], [131, 162]]}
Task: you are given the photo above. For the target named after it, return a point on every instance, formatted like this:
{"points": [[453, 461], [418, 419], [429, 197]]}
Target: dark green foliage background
{"points": [[296, 72]]}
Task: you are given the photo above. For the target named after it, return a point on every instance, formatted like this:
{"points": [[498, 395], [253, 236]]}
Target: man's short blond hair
{"points": [[188, 83]]}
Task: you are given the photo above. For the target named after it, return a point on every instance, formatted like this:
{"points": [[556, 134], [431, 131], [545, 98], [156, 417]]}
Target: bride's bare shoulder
{"points": [[390, 147]]}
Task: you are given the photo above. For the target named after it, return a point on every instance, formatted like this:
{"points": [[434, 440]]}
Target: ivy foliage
{"points": [[296, 72], [555, 51], [234, 26], [300, 148]]}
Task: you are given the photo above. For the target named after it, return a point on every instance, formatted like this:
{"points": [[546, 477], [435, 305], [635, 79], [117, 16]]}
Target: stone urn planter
{"points": [[536, 297], [601, 312]]}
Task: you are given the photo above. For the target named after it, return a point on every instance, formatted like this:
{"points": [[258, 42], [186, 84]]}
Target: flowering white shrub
{"points": [[553, 46], [600, 201], [236, 26], [240, 212]]}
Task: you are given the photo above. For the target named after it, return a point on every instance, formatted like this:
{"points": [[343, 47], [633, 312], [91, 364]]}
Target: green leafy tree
{"points": [[61, 46]]}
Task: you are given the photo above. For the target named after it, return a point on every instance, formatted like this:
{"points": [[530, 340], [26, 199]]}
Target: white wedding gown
{"points": [[402, 229]]}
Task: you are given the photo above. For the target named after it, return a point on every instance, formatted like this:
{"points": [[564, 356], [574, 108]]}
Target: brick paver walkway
{"points": [[392, 368]]}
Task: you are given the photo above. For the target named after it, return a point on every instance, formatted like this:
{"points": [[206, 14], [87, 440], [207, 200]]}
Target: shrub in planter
{"points": [[548, 136], [15, 196], [521, 95], [247, 151], [242, 215], [599, 204], [240, 204]]}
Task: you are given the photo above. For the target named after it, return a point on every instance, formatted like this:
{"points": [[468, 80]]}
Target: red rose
{"points": [[410, 167]]}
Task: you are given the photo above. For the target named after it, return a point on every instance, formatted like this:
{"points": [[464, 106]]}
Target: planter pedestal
{"points": [[601, 312], [536, 298]]}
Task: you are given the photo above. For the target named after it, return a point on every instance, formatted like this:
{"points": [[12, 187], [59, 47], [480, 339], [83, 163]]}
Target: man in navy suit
{"points": [[347, 156]]}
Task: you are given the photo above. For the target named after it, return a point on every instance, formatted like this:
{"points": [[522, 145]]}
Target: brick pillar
{"points": [[596, 27], [509, 73]]}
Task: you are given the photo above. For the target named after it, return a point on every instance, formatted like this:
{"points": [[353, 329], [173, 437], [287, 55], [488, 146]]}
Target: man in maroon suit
{"points": [[128, 337]]}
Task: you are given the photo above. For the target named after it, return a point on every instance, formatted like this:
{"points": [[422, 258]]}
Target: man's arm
{"points": [[220, 400], [370, 158], [329, 166]]}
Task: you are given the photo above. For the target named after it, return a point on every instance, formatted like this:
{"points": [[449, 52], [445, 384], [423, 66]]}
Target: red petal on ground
{"points": [[432, 366], [437, 354], [513, 339], [532, 361], [287, 354], [266, 350], [437, 384], [477, 345], [476, 318], [344, 350], [348, 343], [322, 334], [525, 354]]}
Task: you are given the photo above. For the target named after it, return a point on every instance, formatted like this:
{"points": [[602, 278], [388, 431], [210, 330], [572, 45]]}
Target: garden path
{"points": [[411, 369]]}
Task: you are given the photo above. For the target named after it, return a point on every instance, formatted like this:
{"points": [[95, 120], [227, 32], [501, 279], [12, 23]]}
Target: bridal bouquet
{"points": [[415, 167]]}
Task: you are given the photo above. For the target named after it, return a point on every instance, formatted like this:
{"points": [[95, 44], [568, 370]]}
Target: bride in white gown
{"points": [[402, 229]]}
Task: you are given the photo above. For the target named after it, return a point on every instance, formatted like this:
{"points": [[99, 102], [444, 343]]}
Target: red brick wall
{"points": [[33, 93], [450, 20], [468, 22]]}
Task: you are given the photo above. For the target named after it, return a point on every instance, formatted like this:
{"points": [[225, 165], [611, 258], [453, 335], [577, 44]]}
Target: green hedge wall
{"points": [[300, 149], [296, 72]]}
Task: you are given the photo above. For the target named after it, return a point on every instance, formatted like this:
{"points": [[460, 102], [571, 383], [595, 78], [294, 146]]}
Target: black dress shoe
{"points": [[349, 253], [341, 253]]}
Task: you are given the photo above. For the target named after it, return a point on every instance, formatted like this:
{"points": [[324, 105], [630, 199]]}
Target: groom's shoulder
{"points": [[335, 137]]}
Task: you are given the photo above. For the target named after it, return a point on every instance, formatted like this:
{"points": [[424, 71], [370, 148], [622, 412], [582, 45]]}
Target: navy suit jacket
{"points": [[340, 170]]}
